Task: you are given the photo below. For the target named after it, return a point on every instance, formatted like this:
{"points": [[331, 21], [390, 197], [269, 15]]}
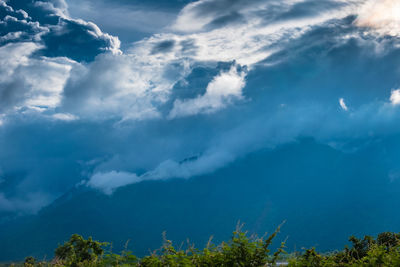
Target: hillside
{"points": [[324, 194]]}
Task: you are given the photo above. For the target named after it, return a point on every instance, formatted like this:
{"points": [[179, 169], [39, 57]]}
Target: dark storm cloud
{"points": [[48, 23], [45, 12], [77, 40], [16, 25]]}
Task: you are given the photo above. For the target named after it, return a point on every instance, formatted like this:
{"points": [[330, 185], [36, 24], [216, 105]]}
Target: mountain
{"points": [[324, 195]]}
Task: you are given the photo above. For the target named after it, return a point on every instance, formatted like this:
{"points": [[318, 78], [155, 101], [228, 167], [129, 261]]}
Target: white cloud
{"points": [[11, 36], [46, 78], [133, 86], [109, 181], [64, 117], [395, 97], [204, 164], [381, 15], [224, 88], [14, 55], [343, 104], [126, 18], [126, 87], [58, 7], [197, 15], [188, 21], [253, 39], [113, 42], [31, 82]]}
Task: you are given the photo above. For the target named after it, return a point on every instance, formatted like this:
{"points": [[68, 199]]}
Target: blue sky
{"points": [[109, 93]]}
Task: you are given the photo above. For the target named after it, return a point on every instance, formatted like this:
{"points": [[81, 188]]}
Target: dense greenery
{"points": [[241, 250], [382, 251]]}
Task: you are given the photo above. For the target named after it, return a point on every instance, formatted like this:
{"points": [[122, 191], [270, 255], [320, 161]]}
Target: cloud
{"points": [[78, 40], [30, 83], [64, 117], [108, 182], [30, 204], [145, 83], [114, 119], [223, 89], [210, 14], [48, 23], [122, 87], [310, 110], [260, 132], [129, 20], [381, 15], [148, 72], [38, 53], [395, 97], [343, 104]]}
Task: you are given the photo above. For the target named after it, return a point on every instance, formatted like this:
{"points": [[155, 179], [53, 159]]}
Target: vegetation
{"points": [[382, 251], [240, 250]]}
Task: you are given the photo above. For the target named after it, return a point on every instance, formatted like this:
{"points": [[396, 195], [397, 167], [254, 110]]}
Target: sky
{"points": [[103, 94]]}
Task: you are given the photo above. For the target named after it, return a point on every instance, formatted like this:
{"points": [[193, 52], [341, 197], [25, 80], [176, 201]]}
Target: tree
{"points": [[78, 250]]}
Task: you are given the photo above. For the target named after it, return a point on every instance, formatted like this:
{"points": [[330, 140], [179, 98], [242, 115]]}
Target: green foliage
{"points": [[241, 251], [29, 261], [78, 251], [382, 251]]}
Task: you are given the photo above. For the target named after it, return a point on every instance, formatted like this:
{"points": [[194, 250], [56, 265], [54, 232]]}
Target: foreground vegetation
{"points": [[241, 250]]}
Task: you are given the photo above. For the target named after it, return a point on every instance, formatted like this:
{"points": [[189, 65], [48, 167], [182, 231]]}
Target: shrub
{"points": [[78, 251], [240, 250], [382, 251]]}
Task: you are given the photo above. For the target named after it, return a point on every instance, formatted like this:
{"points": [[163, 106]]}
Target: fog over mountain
{"points": [[117, 103]]}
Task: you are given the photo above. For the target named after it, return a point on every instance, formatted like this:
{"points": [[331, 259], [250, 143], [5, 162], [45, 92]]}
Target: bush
{"points": [[29, 261], [382, 251], [240, 250], [78, 251]]}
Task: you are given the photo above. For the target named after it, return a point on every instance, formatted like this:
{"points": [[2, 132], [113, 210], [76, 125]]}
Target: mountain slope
{"points": [[324, 194]]}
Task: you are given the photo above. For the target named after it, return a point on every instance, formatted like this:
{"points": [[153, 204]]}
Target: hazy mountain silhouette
{"points": [[324, 194]]}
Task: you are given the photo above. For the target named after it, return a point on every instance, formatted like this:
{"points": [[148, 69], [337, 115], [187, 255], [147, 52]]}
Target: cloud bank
{"points": [[225, 78]]}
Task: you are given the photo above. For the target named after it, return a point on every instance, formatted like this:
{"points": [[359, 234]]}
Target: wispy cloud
{"points": [[343, 104], [109, 181]]}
